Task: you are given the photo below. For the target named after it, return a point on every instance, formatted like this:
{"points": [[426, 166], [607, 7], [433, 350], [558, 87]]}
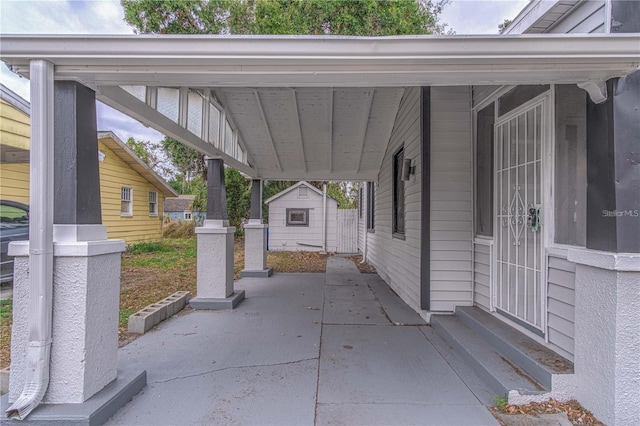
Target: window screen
{"points": [[126, 204], [518, 96], [484, 171], [398, 193], [297, 217], [371, 202]]}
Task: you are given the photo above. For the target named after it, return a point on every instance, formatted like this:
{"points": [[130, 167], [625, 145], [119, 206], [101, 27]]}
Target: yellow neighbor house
{"points": [[132, 194]]}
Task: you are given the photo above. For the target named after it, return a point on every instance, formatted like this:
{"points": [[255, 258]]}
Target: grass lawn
{"points": [[153, 271]]}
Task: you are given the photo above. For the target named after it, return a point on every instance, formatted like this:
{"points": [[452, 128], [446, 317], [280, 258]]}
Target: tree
{"points": [[318, 17], [503, 26], [147, 151], [189, 162]]}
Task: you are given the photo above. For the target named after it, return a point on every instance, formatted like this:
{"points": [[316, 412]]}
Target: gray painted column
{"points": [[77, 175], [216, 190], [613, 168], [256, 199]]}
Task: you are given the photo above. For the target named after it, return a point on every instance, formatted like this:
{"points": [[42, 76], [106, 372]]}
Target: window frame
{"points": [[487, 112], [153, 201], [399, 197], [291, 211], [187, 215], [360, 202], [371, 201], [123, 191]]}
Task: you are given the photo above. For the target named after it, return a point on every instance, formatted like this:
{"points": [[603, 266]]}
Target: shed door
{"points": [[519, 245]]}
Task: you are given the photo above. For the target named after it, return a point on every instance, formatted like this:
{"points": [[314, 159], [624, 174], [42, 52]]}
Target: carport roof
{"points": [[310, 107]]}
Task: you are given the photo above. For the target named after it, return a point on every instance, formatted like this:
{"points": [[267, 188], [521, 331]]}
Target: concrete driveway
{"points": [[302, 349]]}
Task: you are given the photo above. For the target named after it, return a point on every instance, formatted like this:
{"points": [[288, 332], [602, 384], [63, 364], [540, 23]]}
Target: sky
{"points": [[106, 17]]}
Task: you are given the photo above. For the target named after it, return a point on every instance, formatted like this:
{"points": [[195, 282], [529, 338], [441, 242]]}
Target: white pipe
{"points": [[40, 241], [366, 231], [324, 217]]}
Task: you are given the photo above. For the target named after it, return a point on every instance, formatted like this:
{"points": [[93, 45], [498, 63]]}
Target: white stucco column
{"points": [[255, 237], [86, 296], [607, 334]]}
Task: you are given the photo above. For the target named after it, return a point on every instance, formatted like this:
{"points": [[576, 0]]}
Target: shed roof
{"points": [[180, 203], [298, 185]]}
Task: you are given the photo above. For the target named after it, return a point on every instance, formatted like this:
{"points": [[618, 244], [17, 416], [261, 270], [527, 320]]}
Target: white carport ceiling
{"points": [[315, 107]]}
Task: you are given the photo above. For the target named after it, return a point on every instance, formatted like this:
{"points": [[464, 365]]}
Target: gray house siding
{"points": [[482, 276], [451, 198], [398, 260], [560, 303], [587, 17]]}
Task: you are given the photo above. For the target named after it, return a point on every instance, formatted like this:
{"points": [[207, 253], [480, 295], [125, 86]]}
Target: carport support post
{"points": [[215, 247], [255, 237], [86, 266]]}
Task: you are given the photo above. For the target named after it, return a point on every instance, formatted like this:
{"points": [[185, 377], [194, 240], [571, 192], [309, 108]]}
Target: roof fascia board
{"points": [[532, 12], [210, 61], [124, 102], [15, 100], [108, 138]]}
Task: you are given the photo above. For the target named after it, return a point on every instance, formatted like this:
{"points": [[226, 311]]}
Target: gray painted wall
{"points": [[482, 276]]}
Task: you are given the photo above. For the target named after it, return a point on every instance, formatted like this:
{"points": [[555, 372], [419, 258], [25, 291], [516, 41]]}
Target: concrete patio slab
{"points": [[398, 312], [403, 414], [277, 359], [385, 365], [354, 312]]}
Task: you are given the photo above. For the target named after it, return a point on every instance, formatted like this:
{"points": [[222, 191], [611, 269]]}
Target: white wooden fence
{"points": [[347, 231]]}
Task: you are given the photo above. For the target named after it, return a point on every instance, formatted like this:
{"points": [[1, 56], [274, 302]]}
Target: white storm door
{"points": [[519, 242]]}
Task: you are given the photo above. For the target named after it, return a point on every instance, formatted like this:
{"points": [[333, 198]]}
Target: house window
{"points": [[370, 206], [360, 202], [126, 201], [303, 192], [153, 203], [398, 193], [484, 171], [297, 217], [186, 215]]}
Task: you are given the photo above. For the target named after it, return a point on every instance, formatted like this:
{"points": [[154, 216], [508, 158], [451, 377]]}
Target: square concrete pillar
{"points": [[607, 334], [86, 298], [255, 250], [215, 267]]}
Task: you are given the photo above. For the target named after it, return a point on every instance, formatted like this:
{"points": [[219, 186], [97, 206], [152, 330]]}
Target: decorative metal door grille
{"points": [[518, 183]]}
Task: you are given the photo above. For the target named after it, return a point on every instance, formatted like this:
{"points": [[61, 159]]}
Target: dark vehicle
{"points": [[14, 226]]}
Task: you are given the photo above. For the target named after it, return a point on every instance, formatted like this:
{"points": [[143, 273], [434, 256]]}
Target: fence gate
{"points": [[347, 231]]}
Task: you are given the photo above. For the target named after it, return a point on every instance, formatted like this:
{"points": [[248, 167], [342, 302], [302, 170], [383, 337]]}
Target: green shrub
{"points": [[147, 248]]}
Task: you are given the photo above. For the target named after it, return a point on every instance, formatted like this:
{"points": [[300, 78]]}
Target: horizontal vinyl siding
{"points": [[14, 180], [14, 127], [451, 198], [587, 17], [398, 261], [482, 276], [114, 174], [561, 305]]}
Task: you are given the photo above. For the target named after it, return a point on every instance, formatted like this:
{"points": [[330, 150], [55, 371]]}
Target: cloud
{"points": [[480, 16], [124, 126]]}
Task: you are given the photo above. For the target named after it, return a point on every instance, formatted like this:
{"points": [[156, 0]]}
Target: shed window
{"points": [[398, 193], [187, 215], [484, 171], [153, 203], [303, 192], [297, 217], [370, 206], [126, 201]]}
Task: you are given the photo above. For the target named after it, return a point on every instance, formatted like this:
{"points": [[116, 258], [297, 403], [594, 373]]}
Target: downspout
{"points": [[40, 241], [324, 217], [366, 231]]}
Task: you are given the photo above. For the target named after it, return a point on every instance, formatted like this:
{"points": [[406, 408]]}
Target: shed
{"points": [[296, 220], [180, 208]]}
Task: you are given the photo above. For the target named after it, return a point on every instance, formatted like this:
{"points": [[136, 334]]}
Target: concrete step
{"points": [[489, 364], [534, 359]]}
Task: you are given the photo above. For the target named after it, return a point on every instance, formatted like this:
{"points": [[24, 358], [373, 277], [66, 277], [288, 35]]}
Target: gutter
{"points": [[40, 242]]}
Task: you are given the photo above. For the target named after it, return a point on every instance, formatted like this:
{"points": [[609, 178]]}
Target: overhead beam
{"points": [[299, 128], [126, 103], [366, 113], [268, 129]]}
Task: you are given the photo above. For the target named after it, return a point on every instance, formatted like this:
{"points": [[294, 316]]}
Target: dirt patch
{"points": [[364, 268], [297, 261], [577, 414]]}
